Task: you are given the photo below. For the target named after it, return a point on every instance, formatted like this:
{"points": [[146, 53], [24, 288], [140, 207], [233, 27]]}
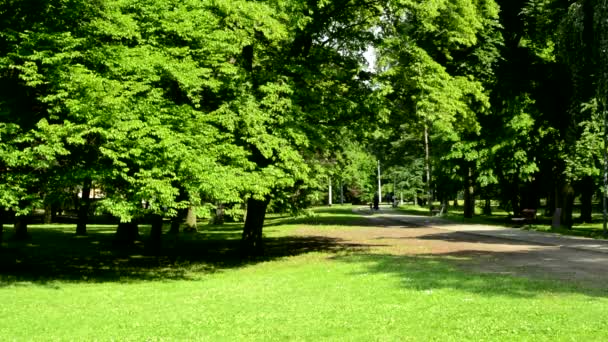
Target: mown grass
{"points": [[305, 288]]}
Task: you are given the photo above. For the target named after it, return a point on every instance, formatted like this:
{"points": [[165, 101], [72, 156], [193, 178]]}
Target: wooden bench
{"points": [[527, 216]]}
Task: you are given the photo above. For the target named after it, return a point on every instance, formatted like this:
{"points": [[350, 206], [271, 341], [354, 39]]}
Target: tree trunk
{"points": [[2, 215], [446, 205], [218, 216], [567, 206], [341, 193], [191, 219], [156, 232], [251, 242], [456, 201], [83, 208], [21, 228], [427, 165], [330, 199], [379, 184], [487, 208], [48, 213], [551, 203], [586, 199], [176, 222], [127, 233], [469, 198]]}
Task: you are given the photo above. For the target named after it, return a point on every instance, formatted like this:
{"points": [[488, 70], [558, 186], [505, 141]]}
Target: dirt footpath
{"points": [[476, 253]]}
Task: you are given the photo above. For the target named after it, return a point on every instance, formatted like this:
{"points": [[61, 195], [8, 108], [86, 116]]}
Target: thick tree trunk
{"points": [[21, 223], [586, 199], [127, 233], [83, 208], [156, 232], [469, 197], [251, 242], [567, 206], [191, 219]]}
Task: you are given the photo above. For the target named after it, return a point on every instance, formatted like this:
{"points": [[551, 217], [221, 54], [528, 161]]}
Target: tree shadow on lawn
{"points": [[428, 273], [55, 254]]}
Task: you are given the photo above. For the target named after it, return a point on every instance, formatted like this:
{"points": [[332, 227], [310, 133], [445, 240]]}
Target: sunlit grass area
{"points": [[305, 288]]}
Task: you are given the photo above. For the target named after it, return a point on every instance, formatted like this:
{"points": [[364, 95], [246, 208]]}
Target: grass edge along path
{"points": [[501, 218], [333, 294]]}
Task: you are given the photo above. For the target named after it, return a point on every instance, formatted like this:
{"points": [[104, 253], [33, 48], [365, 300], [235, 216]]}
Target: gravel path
{"points": [[480, 248]]}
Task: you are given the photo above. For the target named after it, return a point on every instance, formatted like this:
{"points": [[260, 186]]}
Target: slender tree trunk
{"points": [[156, 232], [427, 165], [252, 243], [83, 208], [330, 193], [487, 208], [218, 216], [567, 206], [379, 184], [551, 203], [191, 219], [341, 193], [127, 233], [176, 222], [21, 223], [2, 216], [605, 187], [456, 200], [469, 198], [586, 199], [515, 199], [48, 213]]}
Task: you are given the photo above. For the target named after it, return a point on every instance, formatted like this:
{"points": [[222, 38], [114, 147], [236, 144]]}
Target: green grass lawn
{"points": [[304, 289]]}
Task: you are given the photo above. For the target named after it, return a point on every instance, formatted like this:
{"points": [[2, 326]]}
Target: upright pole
{"points": [[379, 184], [330, 194]]}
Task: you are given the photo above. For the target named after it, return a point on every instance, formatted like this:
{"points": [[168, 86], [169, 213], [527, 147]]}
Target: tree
{"points": [[434, 66]]}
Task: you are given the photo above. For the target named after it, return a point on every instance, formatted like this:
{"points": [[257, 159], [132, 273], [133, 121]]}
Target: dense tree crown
{"points": [[165, 106]]}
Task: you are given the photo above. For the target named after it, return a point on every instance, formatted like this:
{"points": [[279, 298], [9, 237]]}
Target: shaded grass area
{"points": [[306, 288], [55, 253]]}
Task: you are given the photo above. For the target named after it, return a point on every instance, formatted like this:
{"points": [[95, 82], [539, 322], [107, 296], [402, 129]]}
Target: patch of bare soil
{"points": [[476, 253]]}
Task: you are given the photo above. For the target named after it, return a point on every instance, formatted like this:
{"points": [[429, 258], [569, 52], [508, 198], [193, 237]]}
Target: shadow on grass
{"points": [[55, 254], [430, 273]]}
